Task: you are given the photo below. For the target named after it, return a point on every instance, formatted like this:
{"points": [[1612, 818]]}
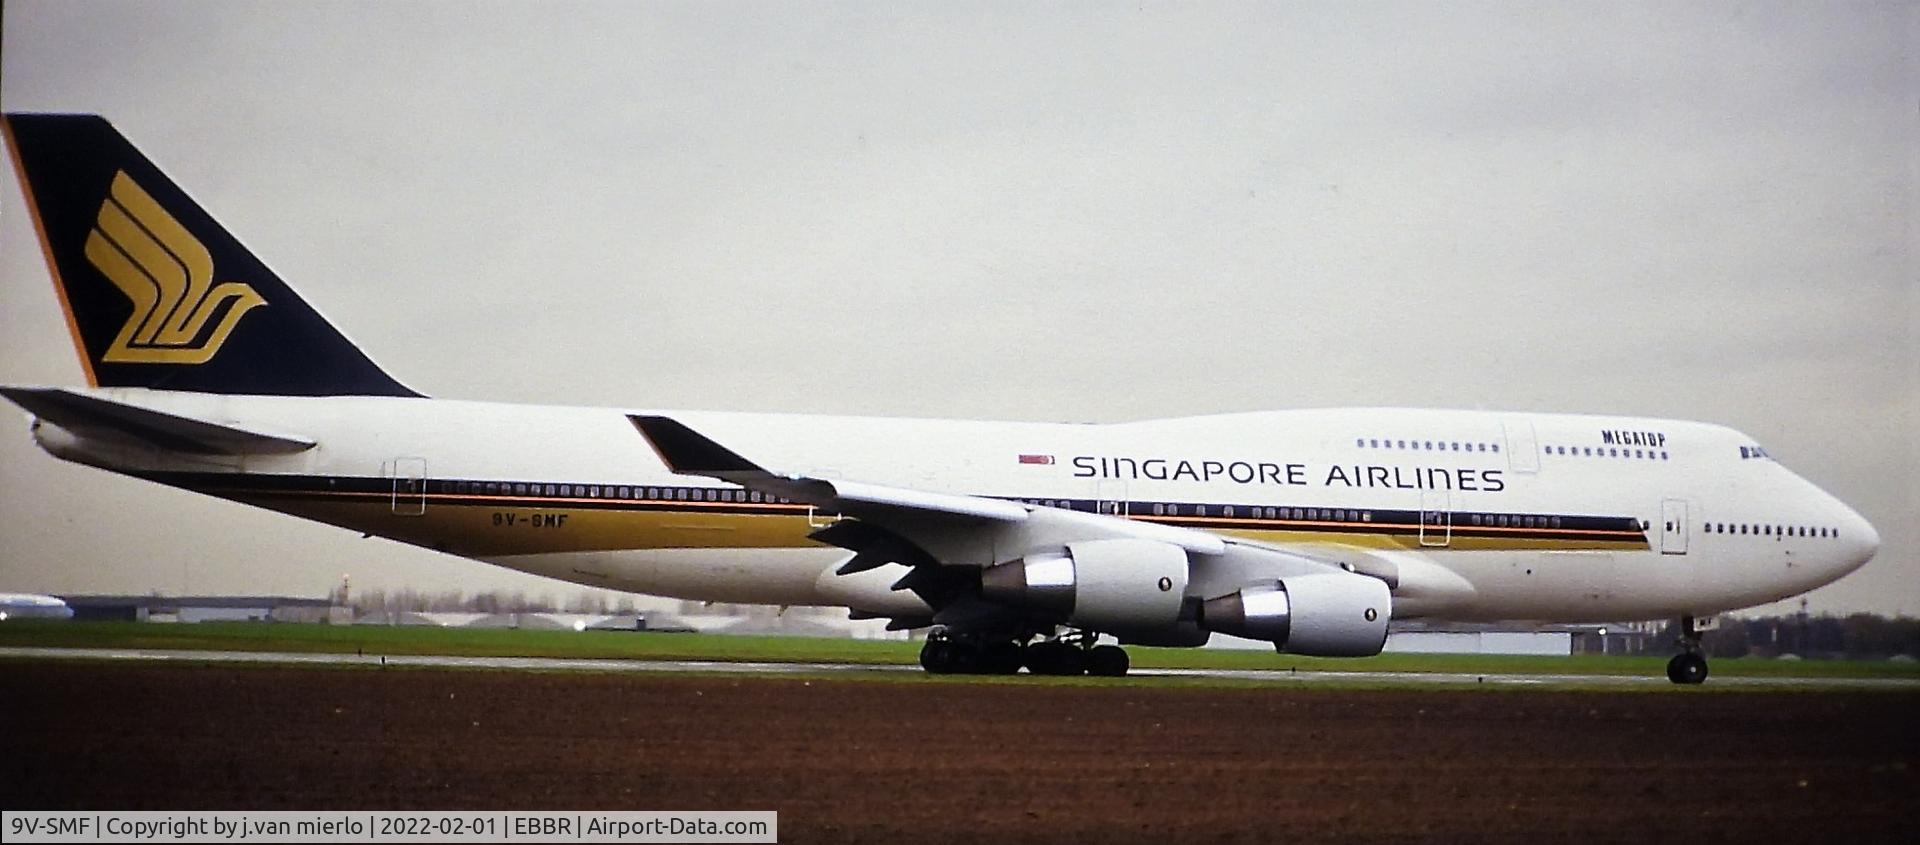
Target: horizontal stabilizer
{"points": [[82, 414]]}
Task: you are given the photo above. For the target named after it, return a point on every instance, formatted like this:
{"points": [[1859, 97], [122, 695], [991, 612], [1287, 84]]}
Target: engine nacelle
{"points": [[1103, 585], [1336, 614]]}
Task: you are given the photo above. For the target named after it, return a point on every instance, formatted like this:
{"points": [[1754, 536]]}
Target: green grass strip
{"points": [[501, 642]]}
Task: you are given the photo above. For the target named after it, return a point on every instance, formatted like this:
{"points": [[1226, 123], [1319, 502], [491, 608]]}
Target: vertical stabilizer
{"points": [[157, 294]]}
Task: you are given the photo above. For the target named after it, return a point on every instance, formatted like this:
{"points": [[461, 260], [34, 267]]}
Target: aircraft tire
{"points": [[1687, 668], [1108, 661], [937, 657], [1002, 658], [1055, 658]]}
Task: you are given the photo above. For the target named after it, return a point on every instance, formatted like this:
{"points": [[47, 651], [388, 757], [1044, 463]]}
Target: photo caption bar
{"points": [[388, 826]]}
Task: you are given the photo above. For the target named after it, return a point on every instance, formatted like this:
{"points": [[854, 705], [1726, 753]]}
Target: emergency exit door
{"points": [[409, 476], [1673, 527]]}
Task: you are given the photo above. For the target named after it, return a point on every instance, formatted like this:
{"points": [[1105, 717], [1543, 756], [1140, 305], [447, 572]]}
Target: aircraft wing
{"points": [[83, 413], [973, 560], [688, 452]]}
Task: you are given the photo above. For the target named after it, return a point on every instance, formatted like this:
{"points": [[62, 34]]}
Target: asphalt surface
{"points": [[1278, 676], [844, 760]]}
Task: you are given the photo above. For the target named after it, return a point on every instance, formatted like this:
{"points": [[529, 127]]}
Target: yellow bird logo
{"points": [[168, 274]]}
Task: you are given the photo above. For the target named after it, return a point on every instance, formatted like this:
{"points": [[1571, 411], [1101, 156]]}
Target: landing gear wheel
{"points": [[1002, 658], [1056, 658], [1687, 668], [937, 657], [1108, 661]]}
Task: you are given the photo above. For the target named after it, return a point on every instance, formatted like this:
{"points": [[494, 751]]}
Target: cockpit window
{"points": [[1753, 452]]}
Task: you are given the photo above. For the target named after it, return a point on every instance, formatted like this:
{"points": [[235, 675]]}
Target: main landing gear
{"points": [[1689, 666], [1074, 653]]}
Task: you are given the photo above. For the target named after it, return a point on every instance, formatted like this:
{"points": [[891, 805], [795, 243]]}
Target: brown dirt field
{"points": [[929, 760]]}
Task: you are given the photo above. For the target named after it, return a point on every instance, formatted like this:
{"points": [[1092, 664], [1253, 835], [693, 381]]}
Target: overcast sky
{"points": [[1078, 211]]}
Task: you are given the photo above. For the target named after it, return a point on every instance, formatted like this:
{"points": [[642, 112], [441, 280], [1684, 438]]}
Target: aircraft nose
{"points": [[1863, 542]]}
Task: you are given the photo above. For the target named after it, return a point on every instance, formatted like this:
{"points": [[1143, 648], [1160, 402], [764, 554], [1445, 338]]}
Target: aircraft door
{"points": [[817, 518], [1436, 517], [1673, 526], [1523, 446], [1110, 497], [409, 480]]}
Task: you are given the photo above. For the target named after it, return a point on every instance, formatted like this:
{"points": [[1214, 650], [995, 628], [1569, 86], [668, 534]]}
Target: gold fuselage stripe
{"points": [[483, 525]]}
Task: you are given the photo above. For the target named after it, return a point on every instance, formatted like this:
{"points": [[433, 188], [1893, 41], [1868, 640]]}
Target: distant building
{"points": [[1422, 637], [1448, 641], [205, 609]]}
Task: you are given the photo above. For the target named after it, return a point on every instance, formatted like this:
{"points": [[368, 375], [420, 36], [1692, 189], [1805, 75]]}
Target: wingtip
{"points": [[686, 451]]}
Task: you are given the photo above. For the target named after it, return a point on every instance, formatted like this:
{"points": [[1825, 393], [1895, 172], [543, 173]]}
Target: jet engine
{"points": [[1098, 584], [1334, 614]]}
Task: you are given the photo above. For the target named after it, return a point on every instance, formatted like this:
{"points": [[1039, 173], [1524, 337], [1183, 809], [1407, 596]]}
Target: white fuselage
{"points": [[1485, 515]]}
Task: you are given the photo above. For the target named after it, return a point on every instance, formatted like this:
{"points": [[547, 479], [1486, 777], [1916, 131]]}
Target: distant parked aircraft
{"points": [[30, 606]]}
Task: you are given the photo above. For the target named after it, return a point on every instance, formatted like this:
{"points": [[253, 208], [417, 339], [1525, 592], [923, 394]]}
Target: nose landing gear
{"points": [[1689, 666]]}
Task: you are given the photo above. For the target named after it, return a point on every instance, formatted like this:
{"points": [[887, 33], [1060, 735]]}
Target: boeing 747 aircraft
{"points": [[1017, 543]]}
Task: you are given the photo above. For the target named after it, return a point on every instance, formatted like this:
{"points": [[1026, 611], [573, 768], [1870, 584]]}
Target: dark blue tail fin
{"points": [[158, 294]]}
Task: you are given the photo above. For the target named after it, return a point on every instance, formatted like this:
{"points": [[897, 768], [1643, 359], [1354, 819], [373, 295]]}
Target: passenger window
{"points": [[1228, 511]]}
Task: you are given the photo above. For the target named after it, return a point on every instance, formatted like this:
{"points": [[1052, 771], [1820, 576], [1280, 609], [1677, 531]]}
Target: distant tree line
{"points": [[366, 602], [1857, 635]]}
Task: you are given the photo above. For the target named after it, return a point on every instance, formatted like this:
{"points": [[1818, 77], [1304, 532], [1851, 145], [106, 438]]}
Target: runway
{"points": [[1274, 676]]}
